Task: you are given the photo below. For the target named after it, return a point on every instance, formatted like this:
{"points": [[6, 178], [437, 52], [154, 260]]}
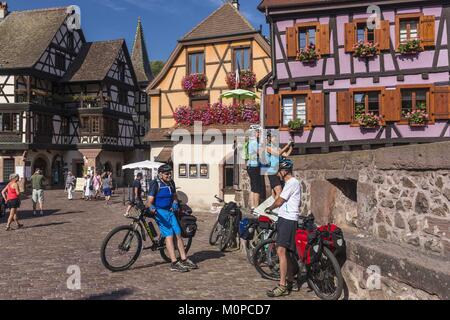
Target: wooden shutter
{"points": [[383, 36], [272, 110], [391, 105], [344, 107], [291, 42], [315, 110], [350, 36], [323, 39], [427, 31], [440, 101]]}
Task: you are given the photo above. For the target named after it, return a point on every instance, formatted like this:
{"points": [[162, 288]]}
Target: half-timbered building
{"points": [[65, 103], [358, 77], [213, 49]]}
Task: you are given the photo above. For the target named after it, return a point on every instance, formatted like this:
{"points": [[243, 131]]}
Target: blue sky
{"points": [[164, 21]]}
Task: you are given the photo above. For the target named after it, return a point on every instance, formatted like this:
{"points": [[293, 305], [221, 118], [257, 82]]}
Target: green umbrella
{"points": [[239, 94]]}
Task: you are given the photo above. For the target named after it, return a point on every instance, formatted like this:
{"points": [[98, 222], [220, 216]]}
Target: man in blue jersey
{"points": [[163, 203]]}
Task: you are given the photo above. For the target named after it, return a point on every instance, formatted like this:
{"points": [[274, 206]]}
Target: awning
{"points": [[165, 155], [143, 165]]}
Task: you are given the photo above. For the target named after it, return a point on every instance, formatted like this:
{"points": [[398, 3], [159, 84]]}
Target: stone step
{"points": [[423, 271]]}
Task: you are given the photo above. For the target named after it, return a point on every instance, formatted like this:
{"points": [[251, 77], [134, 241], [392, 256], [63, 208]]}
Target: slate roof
{"points": [[24, 36], [94, 61], [225, 21], [139, 57]]}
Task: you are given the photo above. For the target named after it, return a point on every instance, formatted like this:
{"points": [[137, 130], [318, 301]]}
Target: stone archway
{"points": [[57, 170]]}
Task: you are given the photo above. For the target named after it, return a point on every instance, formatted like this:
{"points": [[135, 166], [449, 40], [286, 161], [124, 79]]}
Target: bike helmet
{"points": [[164, 168], [286, 164]]}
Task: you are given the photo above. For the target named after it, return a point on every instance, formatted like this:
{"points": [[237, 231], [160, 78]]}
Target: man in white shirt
{"points": [[289, 203]]}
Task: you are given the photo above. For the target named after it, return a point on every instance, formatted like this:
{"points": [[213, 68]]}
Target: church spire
{"points": [[139, 57]]}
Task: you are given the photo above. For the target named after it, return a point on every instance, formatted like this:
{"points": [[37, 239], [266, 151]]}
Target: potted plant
{"points": [[417, 118], [296, 125], [194, 82], [410, 47], [368, 120], [308, 54], [365, 50]]}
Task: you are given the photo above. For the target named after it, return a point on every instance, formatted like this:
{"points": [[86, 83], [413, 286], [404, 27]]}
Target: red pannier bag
{"points": [[336, 242], [302, 243]]}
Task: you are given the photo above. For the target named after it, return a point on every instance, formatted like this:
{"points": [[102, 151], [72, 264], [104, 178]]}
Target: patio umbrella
{"points": [[239, 94]]}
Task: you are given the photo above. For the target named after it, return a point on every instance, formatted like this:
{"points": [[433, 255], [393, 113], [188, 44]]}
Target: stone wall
{"points": [[404, 199]]}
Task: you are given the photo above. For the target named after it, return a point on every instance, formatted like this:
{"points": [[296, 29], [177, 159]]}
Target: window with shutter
{"points": [[414, 99], [291, 42], [350, 36], [427, 25], [383, 35], [441, 102], [391, 106], [323, 33], [272, 111], [316, 112], [294, 107], [344, 107], [365, 101]]}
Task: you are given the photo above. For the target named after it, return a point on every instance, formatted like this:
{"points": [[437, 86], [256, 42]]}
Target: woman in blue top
{"points": [[272, 155]]}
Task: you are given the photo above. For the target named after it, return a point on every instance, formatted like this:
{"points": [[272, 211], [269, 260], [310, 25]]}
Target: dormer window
{"points": [[197, 63]]}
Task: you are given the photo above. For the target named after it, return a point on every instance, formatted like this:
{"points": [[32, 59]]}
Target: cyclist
{"points": [[163, 203], [289, 203]]}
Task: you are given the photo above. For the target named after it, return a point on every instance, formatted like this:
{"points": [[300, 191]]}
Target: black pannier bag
{"points": [[188, 224], [230, 208]]}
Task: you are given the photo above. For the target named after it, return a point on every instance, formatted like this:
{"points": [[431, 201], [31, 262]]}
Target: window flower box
{"points": [[308, 55], [194, 82], [368, 120], [365, 50], [247, 80], [417, 118], [411, 47], [296, 126]]}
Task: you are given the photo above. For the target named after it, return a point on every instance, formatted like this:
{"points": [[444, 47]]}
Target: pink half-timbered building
{"points": [[353, 86]]}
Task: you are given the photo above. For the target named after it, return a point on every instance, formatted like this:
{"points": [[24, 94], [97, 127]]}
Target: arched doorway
{"points": [[57, 170], [40, 163]]}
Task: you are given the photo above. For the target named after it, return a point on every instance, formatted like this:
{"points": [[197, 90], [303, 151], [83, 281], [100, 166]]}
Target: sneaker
{"points": [[293, 286], [189, 264], [278, 291], [178, 266]]}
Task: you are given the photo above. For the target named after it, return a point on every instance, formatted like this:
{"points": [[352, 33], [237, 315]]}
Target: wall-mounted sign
{"points": [[182, 170], [204, 170], [193, 171]]}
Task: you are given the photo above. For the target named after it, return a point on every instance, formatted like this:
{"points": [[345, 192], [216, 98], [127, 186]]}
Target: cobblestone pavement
{"points": [[34, 260]]}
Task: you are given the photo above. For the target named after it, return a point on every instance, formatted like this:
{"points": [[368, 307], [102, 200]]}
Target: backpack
{"points": [[247, 228], [188, 224], [245, 153]]}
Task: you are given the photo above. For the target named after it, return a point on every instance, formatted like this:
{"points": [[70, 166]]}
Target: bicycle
{"points": [[322, 273], [137, 231], [226, 226], [265, 228]]}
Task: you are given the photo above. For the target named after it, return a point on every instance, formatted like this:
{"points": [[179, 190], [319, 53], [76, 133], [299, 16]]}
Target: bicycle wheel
{"points": [[250, 245], [165, 253], [265, 260], [226, 234], [121, 248], [215, 233], [325, 277]]}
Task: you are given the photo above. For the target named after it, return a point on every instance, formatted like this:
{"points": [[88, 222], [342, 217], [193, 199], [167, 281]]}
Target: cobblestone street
{"points": [[34, 260]]}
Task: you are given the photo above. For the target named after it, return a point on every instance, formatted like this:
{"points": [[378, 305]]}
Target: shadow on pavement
{"points": [[206, 255], [28, 214], [113, 295], [150, 265], [45, 225]]}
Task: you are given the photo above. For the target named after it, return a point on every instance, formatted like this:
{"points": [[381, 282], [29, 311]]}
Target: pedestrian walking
{"points": [[37, 196], [12, 195], [70, 185], [88, 187], [97, 185], [106, 184]]}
